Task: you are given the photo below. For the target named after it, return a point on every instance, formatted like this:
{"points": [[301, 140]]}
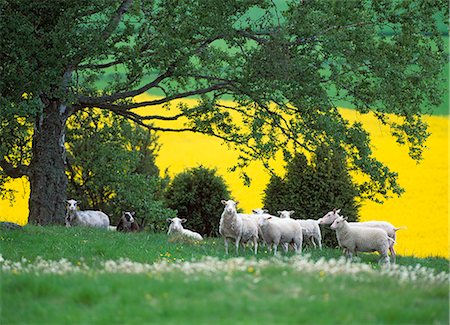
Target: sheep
{"points": [[329, 218], [238, 226], [177, 227], [277, 231], [310, 228], [127, 223], [259, 213], [87, 218], [361, 239]]}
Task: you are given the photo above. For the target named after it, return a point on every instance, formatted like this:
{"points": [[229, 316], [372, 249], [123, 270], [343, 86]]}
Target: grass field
{"points": [[55, 275]]}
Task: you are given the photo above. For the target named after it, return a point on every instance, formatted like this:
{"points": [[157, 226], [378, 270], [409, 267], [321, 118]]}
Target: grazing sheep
{"points": [[277, 231], [386, 226], [87, 218], [238, 226], [127, 223], [310, 228], [361, 239], [177, 227]]}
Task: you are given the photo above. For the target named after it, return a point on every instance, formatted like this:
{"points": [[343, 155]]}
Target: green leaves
{"points": [[112, 167]]}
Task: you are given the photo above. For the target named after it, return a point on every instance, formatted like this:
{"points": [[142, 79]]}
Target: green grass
{"points": [[266, 295]]}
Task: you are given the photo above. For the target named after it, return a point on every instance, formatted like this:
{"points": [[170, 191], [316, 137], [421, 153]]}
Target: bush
{"points": [[196, 194], [111, 167], [314, 188]]}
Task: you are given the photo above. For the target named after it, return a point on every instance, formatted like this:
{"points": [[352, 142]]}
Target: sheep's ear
{"points": [[183, 220], [237, 202], [346, 218], [253, 211], [169, 219], [224, 202], [338, 211], [278, 212], [133, 213], [265, 210], [291, 212]]}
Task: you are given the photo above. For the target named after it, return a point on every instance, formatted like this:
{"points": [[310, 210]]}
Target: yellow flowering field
{"points": [[423, 208]]}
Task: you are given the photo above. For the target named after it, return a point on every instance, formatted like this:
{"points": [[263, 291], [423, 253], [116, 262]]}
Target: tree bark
{"points": [[48, 181]]}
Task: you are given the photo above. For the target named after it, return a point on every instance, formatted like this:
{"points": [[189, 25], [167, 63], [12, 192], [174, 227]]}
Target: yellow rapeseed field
{"points": [[423, 208]]}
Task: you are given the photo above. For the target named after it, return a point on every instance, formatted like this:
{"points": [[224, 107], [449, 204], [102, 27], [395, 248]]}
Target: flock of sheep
{"points": [[260, 226]]}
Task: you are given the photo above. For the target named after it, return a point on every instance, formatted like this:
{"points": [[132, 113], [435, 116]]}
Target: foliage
{"points": [[196, 194], [111, 167], [284, 66], [312, 189]]}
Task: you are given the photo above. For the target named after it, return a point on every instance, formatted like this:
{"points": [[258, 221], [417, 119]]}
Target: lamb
{"points": [[277, 231], [237, 226], [361, 239], [87, 218], [177, 227], [386, 226], [310, 228], [127, 223]]}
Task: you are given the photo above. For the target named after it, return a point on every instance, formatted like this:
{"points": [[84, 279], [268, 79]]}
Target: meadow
{"points": [[76, 275]]}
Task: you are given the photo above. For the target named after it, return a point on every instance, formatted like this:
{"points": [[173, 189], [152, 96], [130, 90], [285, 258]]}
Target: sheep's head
{"points": [[176, 223], [285, 214], [71, 207], [329, 218], [128, 217], [338, 223], [260, 211], [230, 206], [264, 220]]}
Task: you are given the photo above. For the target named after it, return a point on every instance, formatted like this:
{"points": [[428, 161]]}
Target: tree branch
{"points": [[124, 107], [115, 19], [13, 172], [89, 101]]}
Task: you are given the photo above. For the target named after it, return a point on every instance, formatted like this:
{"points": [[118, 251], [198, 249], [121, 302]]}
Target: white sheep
{"points": [[361, 239], [277, 231], [310, 228], [237, 226], [177, 227], [329, 218], [87, 218]]}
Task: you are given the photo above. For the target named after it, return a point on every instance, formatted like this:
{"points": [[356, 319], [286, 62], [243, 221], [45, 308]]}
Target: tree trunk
{"points": [[48, 181]]}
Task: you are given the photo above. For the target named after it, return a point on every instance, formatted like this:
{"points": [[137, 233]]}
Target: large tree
{"points": [[280, 66]]}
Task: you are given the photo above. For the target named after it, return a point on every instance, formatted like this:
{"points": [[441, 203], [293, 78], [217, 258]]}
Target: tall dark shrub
{"points": [[312, 188], [196, 194]]}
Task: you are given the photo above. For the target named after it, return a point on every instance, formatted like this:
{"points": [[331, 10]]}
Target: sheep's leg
{"points": [[226, 245], [319, 241], [255, 244], [238, 239], [348, 254], [391, 249], [384, 258], [295, 245], [285, 247], [311, 239], [275, 246]]}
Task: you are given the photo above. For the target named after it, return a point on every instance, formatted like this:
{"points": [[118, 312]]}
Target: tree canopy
{"points": [[268, 76]]}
